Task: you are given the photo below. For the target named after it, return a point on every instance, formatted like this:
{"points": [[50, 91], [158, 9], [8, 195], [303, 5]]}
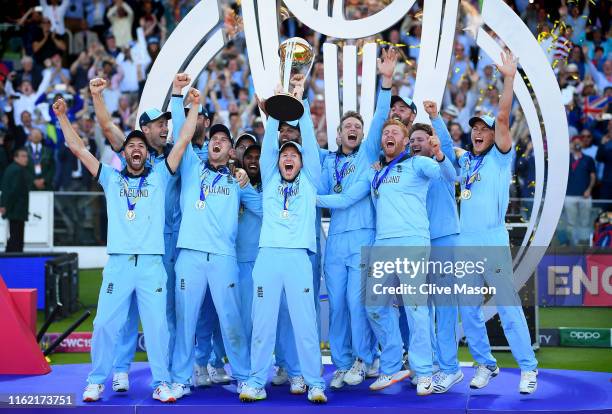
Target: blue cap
{"points": [[220, 128], [290, 144], [293, 124], [135, 134], [201, 111], [406, 100], [488, 120], [151, 115]]}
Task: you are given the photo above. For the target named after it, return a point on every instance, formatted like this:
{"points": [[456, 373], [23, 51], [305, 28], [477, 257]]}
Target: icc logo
{"points": [[199, 37]]}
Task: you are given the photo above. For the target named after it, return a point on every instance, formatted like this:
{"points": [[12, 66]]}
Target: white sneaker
{"points": [[180, 390], [482, 376], [424, 386], [280, 377], [240, 386], [298, 386], [443, 382], [337, 381], [121, 382], [372, 370], [164, 394], [201, 377], [250, 394], [356, 374], [317, 395], [529, 382], [93, 392], [383, 381], [218, 375]]}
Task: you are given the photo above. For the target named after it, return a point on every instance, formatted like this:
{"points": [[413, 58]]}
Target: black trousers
{"points": [[15, 241]]}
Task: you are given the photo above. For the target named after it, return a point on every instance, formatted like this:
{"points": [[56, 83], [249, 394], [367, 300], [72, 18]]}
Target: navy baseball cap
{"points": [[293, 124], [406, 100], [151, 115], [246, 135], [488, 121], [220, 128], [135, 134], [201, 111]]}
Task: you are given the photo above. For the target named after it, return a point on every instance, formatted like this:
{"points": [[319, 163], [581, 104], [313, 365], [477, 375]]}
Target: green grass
{"points": [[590, 359]]}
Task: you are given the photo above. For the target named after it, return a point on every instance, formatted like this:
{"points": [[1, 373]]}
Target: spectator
{"points": [[460, 139], [110, 44], [29, 72], [14, 201], [58, 74], [580, 183], [55, 12], [604, 156], [25, 99], [121, 17], [47, 43], [95, 11], [3, 153], [460, 64], [72, 175], [41, 162], [78, 71], [81, 40], [18, 134]]}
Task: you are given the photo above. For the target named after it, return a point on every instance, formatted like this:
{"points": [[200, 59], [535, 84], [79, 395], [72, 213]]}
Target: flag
{"points": [[594, 106]]}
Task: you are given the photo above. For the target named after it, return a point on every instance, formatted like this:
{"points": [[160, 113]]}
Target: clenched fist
{"points": [[180, 81], [431, 108], [59, 107], [97, 85]]}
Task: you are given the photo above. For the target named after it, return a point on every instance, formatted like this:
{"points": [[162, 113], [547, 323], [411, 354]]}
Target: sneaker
{"points": [[337, 381], [483, 375], [180, 390], [201, 377], [443, 382], [383, 381], [218, 375], [356, 374], [240, 385], [317, 395], [93, 392], [298, 386], [280, 377], [121, 382], [424, 385], [164, 394], [372, 370], [250, 394], [529, 382]]}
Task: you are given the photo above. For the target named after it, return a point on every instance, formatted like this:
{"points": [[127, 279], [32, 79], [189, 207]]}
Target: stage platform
{"points": [[559, 391]]}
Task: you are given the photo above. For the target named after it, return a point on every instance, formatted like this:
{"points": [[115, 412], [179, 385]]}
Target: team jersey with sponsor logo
{"points": [[141, 231], [249, 229]]}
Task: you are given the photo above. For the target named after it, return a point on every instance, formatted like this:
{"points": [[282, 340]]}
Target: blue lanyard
{"points": [[203, 193], [376, 182], [471, 176], [131, 205], [340, 175], [286, 193]]}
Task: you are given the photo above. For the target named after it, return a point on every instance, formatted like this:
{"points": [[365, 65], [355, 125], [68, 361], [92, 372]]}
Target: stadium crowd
{"points": [[54, 48]]}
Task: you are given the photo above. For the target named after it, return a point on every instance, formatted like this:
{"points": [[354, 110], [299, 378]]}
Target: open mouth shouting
{"points": [[216, 148], [352, 138], [390, 144], [252, 167], [416, 149]]}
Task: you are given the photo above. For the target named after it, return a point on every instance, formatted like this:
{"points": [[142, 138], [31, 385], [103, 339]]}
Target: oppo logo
{"points": [[585, 335]]}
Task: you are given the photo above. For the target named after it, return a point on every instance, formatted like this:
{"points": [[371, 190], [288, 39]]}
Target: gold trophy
{"points": [[296, 57]]}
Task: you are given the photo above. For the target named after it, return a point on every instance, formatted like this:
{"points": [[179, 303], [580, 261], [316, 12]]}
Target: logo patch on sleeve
{"points": [[109, 289], [260, 291]]}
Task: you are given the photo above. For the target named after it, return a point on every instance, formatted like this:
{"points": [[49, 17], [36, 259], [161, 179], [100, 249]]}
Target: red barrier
{"points": [[19, 352], [25, 304]]}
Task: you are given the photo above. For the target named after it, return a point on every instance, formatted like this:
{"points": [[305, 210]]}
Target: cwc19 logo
{"points": [[200, 36]]}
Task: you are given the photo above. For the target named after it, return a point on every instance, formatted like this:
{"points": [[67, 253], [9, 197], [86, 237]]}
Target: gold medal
{"points": [[338, 188], [285, 214], [200, 204], [130, 215], [466, 194]]}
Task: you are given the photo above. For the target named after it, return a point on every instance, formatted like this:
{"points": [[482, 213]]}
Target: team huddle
{"points": [[214, 246]]}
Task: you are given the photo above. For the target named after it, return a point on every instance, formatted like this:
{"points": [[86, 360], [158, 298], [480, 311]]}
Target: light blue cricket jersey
{"points": [[298, 229], [361, 214], [249, 229], [441, 203], [401, 203], [211, 229], [487, 206], [143, 234]]}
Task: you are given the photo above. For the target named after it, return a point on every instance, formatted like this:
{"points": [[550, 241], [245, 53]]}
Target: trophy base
{"points": [[284, 107]]}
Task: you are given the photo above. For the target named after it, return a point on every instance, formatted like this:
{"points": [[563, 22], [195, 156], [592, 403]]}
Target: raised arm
{"points": [[113, 134], [269, 148], [370, 148], [426, 167], [176, 103], [44, 83], [503, 139], [75, 143], [312, 161], [446, 143], [447, 170], [348, 197], [174, 158]]}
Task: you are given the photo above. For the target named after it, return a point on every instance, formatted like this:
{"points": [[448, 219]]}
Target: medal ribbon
{"points": [[203, 193], [471, 176], [131, 204], [376, 182], [339, 175], [286, 192]]}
